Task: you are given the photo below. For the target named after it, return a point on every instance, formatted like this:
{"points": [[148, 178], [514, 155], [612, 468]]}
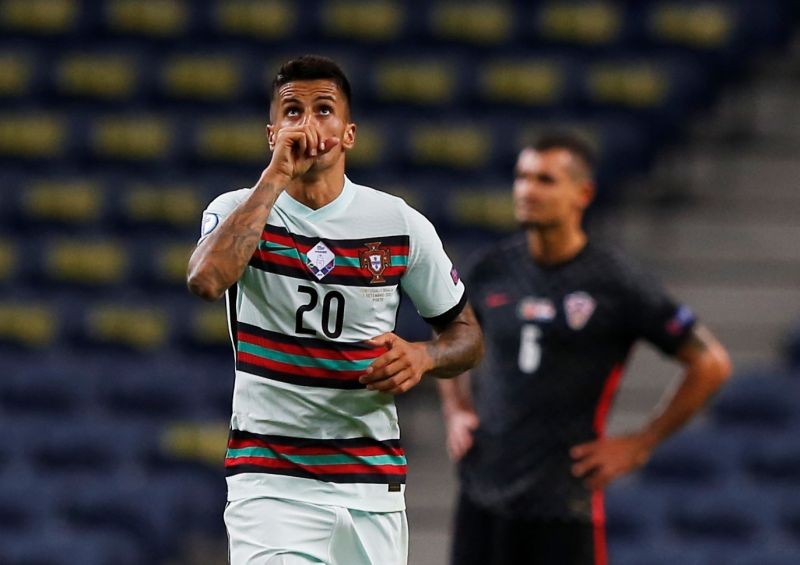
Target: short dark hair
{"points": [[577, 145], [311, 67]]}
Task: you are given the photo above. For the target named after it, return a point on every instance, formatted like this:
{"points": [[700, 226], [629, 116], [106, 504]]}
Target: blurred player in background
{"points": [[312, 264], [560, 315]]}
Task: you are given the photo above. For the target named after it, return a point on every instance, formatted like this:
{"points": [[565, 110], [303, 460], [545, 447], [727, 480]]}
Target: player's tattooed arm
{"points": [[220, 259], [706, 367], [458, 346]]}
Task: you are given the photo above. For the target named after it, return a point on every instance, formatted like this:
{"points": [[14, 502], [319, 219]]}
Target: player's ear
{"points": [[349, 137], [587, 193], [271, 136]]}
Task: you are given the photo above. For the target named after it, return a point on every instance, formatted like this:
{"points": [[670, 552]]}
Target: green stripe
{"points": [[333, 459], [303, 360]]}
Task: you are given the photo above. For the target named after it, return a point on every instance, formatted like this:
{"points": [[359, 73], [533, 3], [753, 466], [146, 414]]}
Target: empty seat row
{"points": [[533, 80], [712, 25], [238, 143]]}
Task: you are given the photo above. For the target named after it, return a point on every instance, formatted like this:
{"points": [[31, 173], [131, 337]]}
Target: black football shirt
{"points": [[557, 338]]}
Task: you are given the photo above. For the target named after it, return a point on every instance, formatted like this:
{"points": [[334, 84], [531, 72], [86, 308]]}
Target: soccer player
{"points": [[560, 315], [312, 265]]}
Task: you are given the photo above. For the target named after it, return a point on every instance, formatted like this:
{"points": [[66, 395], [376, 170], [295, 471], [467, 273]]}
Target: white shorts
{"points": [[276, 531]]}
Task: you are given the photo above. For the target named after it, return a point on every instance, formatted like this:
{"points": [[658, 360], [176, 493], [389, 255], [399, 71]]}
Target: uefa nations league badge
{"points": [[321, 260]]}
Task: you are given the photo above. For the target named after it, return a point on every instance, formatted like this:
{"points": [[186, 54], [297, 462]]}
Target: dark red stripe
{"points": [[294, 349], [316, 449], [288, 241], [297, 369], [599, 526], [317, 469]]}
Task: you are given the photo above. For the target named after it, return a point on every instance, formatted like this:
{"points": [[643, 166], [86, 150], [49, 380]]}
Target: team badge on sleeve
{"points": [[579, 307], [321, 260], [375, 259], [682, 318], [210, 222]]}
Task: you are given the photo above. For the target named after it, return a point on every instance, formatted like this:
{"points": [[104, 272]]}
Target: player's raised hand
{"points": [[400, 368], [295, 148], [600, 462]]}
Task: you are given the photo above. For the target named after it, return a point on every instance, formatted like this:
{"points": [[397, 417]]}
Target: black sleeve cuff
{"points": [[442, 320]]}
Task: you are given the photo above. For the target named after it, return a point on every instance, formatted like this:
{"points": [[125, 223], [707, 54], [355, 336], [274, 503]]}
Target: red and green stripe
{"points": [[302, 361], [353, 460], [285, 253]]}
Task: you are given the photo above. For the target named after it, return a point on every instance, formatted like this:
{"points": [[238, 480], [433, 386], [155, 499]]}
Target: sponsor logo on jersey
{"points": [[375, 259], [578, 307], [682, 318], [210, 221], [321, 260], [496, 299], [536, 309]]}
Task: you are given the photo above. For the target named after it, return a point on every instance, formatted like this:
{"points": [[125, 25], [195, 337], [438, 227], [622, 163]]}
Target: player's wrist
{"points": [[274, 178]]}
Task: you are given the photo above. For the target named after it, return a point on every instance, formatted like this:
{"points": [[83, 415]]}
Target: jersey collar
{"points": [[291, 206]]}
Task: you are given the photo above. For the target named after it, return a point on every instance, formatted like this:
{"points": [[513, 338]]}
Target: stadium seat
{"points": [[40, 17], [363, 20], [453, 145], [131, 328], [696, 456], [145, 510], [141, 393], [163, 205], [61, 202], [33, 136], [155, 18], [101, 76], [528, 82], [42, 391], [132, 138], [231, 139], [589, 23], [759, 401], [18, 73], [774, 460], [10, 264], [28, 324], [472, 22], [634, 512], [764, 556], [659, 554], [731, 515], [258, 19], [418, 79], [210, 77], [85, 262]]}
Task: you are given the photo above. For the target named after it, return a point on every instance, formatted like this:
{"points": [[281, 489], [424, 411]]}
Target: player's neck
{"points": [[315, 191], [555, 244]]}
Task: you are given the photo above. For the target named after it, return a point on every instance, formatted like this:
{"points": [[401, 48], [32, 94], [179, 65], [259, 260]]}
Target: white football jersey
{"points": [[320, 283]]}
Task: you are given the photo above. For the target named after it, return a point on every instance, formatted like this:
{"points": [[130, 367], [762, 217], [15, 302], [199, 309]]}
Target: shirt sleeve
{"points": [[654, 315], [218, 210], [431, 280]]}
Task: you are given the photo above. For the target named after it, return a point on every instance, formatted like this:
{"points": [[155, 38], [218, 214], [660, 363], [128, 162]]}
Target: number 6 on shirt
{"points": [[530, 352]]}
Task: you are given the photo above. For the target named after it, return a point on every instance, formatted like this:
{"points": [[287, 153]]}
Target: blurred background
{"points": [[121, 119]]}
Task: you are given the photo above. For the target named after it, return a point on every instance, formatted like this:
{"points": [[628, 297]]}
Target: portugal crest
{"points": [[374, 259]]}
